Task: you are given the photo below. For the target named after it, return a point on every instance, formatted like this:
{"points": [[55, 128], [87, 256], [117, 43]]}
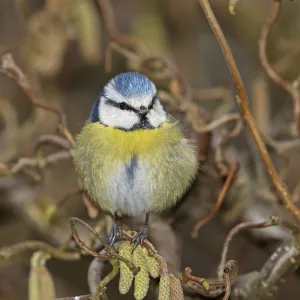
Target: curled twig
{"points": [[187, 275], [227, 286], [242, 100], [291, 88], [233, 232], [12, 71], [211, 288], [230, 177], [112, 252], [81, 244], [273, 221]]}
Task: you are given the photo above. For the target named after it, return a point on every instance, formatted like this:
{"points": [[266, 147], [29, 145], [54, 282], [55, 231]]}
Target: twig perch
{"points": [[112, 253]]}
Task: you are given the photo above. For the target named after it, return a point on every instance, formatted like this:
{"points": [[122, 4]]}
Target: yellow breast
{"points": [[162, 160], [123, 144]]}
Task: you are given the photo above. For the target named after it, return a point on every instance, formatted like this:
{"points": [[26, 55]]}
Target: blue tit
{"points": [[131, 155]]}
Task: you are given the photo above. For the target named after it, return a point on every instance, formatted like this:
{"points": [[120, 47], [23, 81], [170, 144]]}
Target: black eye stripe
{"points": [[122, 105], [111, 103], [125, 106]]}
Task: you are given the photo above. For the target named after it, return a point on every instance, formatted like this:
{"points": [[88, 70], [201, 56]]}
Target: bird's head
{"points": [[129, 102]]}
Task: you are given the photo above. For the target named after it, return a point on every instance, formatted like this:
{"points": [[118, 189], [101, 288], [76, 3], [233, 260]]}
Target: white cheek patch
{"points": [[157, 115], [115, 117]]}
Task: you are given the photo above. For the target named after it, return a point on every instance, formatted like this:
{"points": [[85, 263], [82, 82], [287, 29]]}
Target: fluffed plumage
{"points": [[133, 158]]}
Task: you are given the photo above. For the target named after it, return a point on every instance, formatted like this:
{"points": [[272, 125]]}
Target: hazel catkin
{"points": [[141, 281], [176, 288], [164, 292], [152, 264], [126, 275]]}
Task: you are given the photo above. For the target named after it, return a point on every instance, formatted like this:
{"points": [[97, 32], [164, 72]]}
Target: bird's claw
{"points": [[116, 232], [140, 237]]}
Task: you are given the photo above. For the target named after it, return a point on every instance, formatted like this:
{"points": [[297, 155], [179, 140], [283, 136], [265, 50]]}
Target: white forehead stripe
{"points": [[136, 101]]}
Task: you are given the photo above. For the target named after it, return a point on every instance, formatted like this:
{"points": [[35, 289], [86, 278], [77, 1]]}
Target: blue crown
{"points": [[129, 85], [133, 84]]}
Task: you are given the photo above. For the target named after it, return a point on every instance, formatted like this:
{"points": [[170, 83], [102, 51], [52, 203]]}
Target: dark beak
{"points": [[143, 112]]}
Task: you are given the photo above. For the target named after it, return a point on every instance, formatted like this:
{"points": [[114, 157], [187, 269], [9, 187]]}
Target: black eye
{"points": [[123, 106]]}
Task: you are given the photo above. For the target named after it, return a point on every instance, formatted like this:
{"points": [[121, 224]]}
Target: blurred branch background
{"points": [[61, 46]]}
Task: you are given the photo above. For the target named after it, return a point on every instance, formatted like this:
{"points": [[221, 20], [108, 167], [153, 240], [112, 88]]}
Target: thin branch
{"points": [[111, 27], [214, 93], [193, 287], [232, 233], [291, 88], [230, 177], [9, 251], [57, 156], [233, 117], [114, 46], [242, 100], [12, 71], [157, 65], [273, 221], [284, 260], [65, 131], [209, 288], [52, 139], [81, 244], [187, 275], [113, 253], [34, 162], [107, 279], [227, 286]]}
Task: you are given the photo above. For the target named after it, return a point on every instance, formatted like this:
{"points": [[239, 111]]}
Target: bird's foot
{"points": [[140, 237], [116, 233]]}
